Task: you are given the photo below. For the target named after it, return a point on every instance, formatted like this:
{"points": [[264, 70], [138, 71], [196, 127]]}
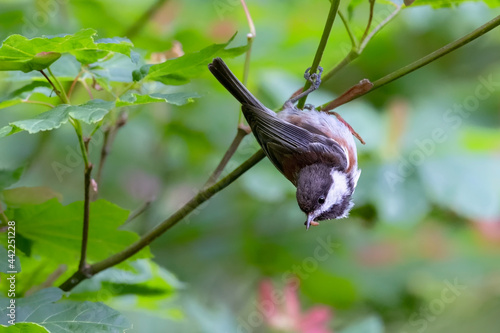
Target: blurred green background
{"points": [[427, 206]]}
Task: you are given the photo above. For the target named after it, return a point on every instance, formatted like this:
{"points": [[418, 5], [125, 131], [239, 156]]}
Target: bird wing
{"points": [[290, 147]]}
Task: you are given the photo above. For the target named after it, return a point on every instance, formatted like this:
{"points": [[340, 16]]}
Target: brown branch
{"points": [[109, 138], [202, 196], [355, 91], [370, 18], [73, 84], [83, 267]]}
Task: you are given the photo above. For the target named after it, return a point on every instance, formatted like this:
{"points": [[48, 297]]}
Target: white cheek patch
{"points": [[340, 188]]}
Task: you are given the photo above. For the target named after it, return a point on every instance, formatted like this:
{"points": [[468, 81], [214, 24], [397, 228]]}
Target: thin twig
{"points": [[87, 88], [249, 19], [73, 84], [424, 60], [202, 196], [352, 37], [61, 88], [56, 90], [133, 215], [250, 38], [109, 138], [321, 47], [61, 269], [370, 18], [356, 52], [382, 24], [242, 130], [240, 134], [83, 267]]}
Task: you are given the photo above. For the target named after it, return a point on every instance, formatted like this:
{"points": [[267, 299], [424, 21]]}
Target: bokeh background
{"points": [[420, 250]]}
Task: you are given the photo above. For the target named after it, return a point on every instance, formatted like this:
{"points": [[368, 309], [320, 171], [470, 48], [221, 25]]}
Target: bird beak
{"points": [[310, 218]]}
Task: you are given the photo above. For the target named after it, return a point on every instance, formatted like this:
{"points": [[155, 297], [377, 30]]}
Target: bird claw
{"points": [[314, 79]]}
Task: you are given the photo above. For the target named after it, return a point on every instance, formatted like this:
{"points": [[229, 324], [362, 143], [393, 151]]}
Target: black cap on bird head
{"points": [[324, 192]]}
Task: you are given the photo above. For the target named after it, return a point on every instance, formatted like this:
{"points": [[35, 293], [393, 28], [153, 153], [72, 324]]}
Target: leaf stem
{"points": [[370, 18], [202, 196], [62, 91], [352, 37], [321, 47]]}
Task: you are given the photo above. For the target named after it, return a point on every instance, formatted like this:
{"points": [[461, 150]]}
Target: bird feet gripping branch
{"points": [[314, 78]]}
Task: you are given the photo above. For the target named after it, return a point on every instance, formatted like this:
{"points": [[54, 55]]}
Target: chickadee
{"points": [[312, 149]]}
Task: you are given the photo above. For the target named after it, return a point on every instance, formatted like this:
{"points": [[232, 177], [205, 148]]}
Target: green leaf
{"points": [[174, 98], [180, 70], [146, 279], [464, 184], [9, 177], [6, 131], [91, 112], [46, 121], [20, 53], [56, 230], [64, 316], [25, 328], [116, 44], [18, 95], [19, 196]]}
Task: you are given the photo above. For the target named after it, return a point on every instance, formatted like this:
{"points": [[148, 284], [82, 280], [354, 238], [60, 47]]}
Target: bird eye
{"points": [[321, 200]]}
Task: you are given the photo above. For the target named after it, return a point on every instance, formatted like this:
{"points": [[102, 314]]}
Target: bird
{"points": [[314, 150]]}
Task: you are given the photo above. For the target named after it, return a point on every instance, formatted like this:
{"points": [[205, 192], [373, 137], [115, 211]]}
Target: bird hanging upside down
{"points": [[312, 149]]}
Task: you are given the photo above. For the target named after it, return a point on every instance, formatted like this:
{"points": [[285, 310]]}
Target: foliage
{"points": [[138, 122]]}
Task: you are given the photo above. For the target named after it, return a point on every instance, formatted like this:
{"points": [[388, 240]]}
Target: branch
{"points": [[418, 64], [352, 37], [358, 49], [109, 138], [83, 267], [62, 92], [240, 134], [201, 197], [56, 90], [370, 18], [242, 129], [138, 211], [321, 47], [382, 24], [73, 84]]}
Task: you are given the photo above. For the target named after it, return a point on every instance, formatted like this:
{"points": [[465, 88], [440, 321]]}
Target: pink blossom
{"points": [[281, 310]]}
